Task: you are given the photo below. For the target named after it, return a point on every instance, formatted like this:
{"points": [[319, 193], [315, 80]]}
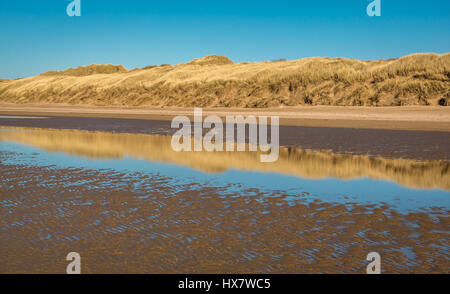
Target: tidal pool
{"points": [[128, 204]]}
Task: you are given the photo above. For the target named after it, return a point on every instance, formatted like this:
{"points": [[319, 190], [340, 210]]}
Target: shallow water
{"points": [[362, 190], [139, 211]]}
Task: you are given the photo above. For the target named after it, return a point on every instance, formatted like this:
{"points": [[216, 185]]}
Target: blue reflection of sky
{"points": [[362, 190]]}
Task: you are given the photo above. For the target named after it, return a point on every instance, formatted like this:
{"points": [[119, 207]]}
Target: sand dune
{"points": [[215, 81]]}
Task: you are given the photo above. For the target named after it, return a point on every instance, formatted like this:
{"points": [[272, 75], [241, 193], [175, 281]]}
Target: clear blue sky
{"points": [[37, 36]]}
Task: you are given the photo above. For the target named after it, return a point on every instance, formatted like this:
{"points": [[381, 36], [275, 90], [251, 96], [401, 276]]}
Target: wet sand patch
{"points": [[123, 223], [412, 144]]}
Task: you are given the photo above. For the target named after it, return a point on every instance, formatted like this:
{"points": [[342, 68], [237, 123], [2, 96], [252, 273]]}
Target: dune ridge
{"points": [[88, 70], [216, 81]]}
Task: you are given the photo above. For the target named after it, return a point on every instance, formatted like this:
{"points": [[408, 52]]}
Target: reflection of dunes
{"points": [[302, 163]]}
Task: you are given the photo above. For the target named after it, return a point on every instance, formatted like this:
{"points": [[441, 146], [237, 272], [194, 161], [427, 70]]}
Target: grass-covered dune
{"points": [[215, 81]]}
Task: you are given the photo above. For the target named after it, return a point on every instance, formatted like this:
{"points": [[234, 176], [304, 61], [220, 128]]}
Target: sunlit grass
{"points": [[215, 81]]}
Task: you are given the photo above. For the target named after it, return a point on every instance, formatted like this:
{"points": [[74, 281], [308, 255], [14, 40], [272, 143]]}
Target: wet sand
{"points": [[133, 223], [424, 118], [420, 145], [144, 223]]}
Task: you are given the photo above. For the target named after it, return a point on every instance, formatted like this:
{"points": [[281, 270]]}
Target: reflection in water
{"points": [[301, 163], [126, 215]]}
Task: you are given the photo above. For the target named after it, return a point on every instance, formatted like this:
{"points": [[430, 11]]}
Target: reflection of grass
{"points": [[302, 163], [216, 81]]}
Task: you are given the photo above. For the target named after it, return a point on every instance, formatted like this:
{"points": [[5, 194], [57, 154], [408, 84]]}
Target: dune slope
{"points": [[215, 81]]}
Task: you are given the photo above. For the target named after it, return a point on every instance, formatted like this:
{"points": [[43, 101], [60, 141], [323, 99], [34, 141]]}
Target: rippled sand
{"points": [[133, 223], [141, 222]]}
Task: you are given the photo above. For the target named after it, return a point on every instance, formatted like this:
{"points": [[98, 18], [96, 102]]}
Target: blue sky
{"points": [[37, 36]]}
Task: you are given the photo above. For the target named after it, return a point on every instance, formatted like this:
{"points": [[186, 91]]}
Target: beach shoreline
{"points": [[419, 118], [406, 144]]}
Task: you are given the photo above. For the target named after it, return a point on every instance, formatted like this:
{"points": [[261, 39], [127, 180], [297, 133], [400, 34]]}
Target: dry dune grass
{"points": [[88, 70], [297, 162], [215, 81]]}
